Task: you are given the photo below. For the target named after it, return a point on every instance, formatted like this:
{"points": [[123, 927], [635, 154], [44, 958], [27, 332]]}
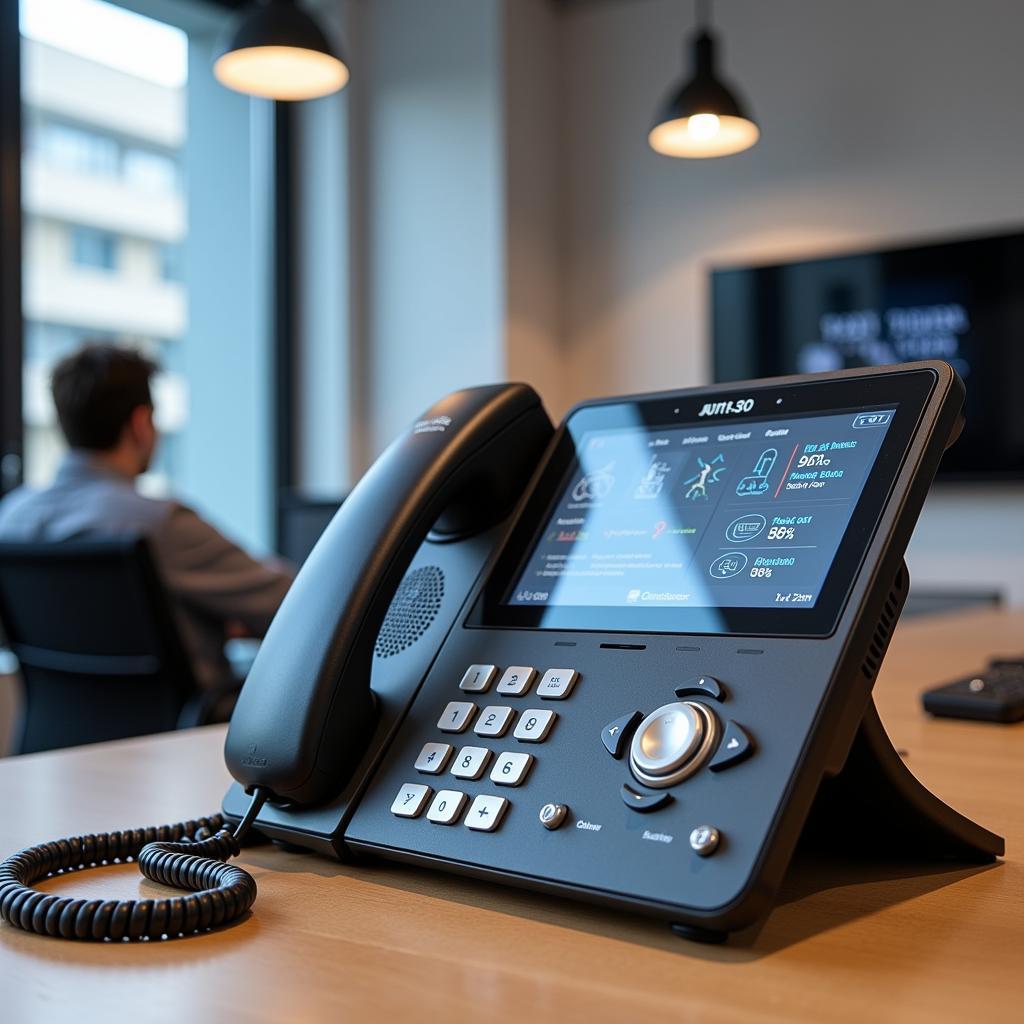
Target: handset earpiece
{"points": [[306, 711]]}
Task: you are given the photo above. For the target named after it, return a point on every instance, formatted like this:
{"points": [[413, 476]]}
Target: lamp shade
{"points": [[703, 117], [277, 51]]}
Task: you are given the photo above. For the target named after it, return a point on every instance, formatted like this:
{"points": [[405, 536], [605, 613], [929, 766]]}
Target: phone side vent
{"points": [[413, 609], [887, 619]]}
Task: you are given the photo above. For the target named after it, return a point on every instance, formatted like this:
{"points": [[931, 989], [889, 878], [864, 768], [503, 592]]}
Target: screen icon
{"points": [[745, 528], [653, 480], [708, 473], [595, 486], [756, 484], [872, 419], [728, 565]]}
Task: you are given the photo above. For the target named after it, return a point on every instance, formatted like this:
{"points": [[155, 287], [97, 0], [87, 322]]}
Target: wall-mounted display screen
{"points": [[961, 301]]}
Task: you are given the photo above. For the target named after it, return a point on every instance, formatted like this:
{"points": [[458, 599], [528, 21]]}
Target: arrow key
{"points": [[707, 686], [735, 746], [615, 734]]}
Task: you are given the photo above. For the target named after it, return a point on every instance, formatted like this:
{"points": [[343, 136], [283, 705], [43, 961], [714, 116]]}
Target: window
{"points": [[92, 248], [150, 171], [74, 149], [171, 263], [115, 249]]}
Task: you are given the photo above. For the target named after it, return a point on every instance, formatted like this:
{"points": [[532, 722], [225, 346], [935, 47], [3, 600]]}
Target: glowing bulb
{"points": [[703, 127]]}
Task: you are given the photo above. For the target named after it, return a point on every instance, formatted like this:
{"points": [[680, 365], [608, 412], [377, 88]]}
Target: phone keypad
{"points": [[433, 758], [470, 762], [494, 721], [456, 716], [511, 768]]}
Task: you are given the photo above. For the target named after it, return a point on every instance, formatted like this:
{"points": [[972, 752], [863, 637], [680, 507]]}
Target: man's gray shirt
{"points": [[211, 580]]}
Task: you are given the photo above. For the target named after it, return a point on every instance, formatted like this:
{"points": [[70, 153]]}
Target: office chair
{"points": [[100, 652]]}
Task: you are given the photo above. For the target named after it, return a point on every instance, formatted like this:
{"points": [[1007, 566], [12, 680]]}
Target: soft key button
{"points": [[478, 678], [410, 800], [433, 758], [557, 683], [486, 813], [493, 721], [516, 680], [511, 769], [456, 716], [447, 807], [534, 725]]}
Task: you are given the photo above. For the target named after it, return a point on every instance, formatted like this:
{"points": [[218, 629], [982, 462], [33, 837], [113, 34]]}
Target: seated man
{"points": [[105, 410]]}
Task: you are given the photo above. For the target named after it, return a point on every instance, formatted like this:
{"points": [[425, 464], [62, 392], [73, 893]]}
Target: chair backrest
{"points": [[100, 652]]}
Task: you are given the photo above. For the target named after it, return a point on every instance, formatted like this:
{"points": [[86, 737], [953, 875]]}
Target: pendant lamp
{"points": [[703, 117], [277, 51]]}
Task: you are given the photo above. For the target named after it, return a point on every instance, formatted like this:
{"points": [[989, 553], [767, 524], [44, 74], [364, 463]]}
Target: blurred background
{"points": [[481, 202]]}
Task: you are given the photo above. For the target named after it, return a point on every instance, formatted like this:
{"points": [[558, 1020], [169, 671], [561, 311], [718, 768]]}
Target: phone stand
{"points": [[876, 807]]}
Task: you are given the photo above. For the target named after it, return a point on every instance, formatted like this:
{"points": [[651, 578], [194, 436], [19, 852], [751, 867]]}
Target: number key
{"points": [[534, 725], [456, 716], [478, 678], [447, 807], [433, 758], [493, 721], [516, 680], [410, 800], [470, 762], [511, 769]]}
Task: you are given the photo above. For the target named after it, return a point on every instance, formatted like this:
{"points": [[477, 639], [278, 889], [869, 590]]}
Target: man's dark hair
{"points": [[96, 389]]}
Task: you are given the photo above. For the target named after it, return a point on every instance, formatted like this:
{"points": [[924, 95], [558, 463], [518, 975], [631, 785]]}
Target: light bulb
{"points": [[703, 127]]}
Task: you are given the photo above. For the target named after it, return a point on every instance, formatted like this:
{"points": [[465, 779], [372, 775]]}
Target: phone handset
{"points": [[306, 712]]}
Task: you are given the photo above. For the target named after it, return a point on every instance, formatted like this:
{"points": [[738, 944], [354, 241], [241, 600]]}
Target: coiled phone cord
{"points": [[186, 855]]}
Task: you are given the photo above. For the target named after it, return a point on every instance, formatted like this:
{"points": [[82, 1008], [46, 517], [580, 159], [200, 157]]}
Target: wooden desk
{"points": [[331, 942]]}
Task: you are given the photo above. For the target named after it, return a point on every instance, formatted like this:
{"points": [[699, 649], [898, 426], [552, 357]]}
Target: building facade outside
{"points": [[105, 223]]}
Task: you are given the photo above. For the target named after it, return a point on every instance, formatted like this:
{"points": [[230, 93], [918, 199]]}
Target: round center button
{"points": [[672, 742]]}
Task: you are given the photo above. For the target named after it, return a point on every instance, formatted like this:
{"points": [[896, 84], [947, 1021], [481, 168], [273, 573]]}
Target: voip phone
{"points": [[629, 661]]}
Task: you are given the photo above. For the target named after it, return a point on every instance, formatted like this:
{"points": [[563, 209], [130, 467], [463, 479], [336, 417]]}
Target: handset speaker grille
{"points": [[413, 609]]}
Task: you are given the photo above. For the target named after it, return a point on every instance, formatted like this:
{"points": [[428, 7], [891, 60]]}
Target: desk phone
{"points": [[627, 661]]}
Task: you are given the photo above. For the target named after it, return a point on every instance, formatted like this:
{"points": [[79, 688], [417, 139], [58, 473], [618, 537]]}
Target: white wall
{"points": [[432, 191], [881, 122]]}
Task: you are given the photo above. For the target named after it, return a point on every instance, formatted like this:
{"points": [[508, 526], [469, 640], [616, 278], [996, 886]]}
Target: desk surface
{"points": [[329, 941]]}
